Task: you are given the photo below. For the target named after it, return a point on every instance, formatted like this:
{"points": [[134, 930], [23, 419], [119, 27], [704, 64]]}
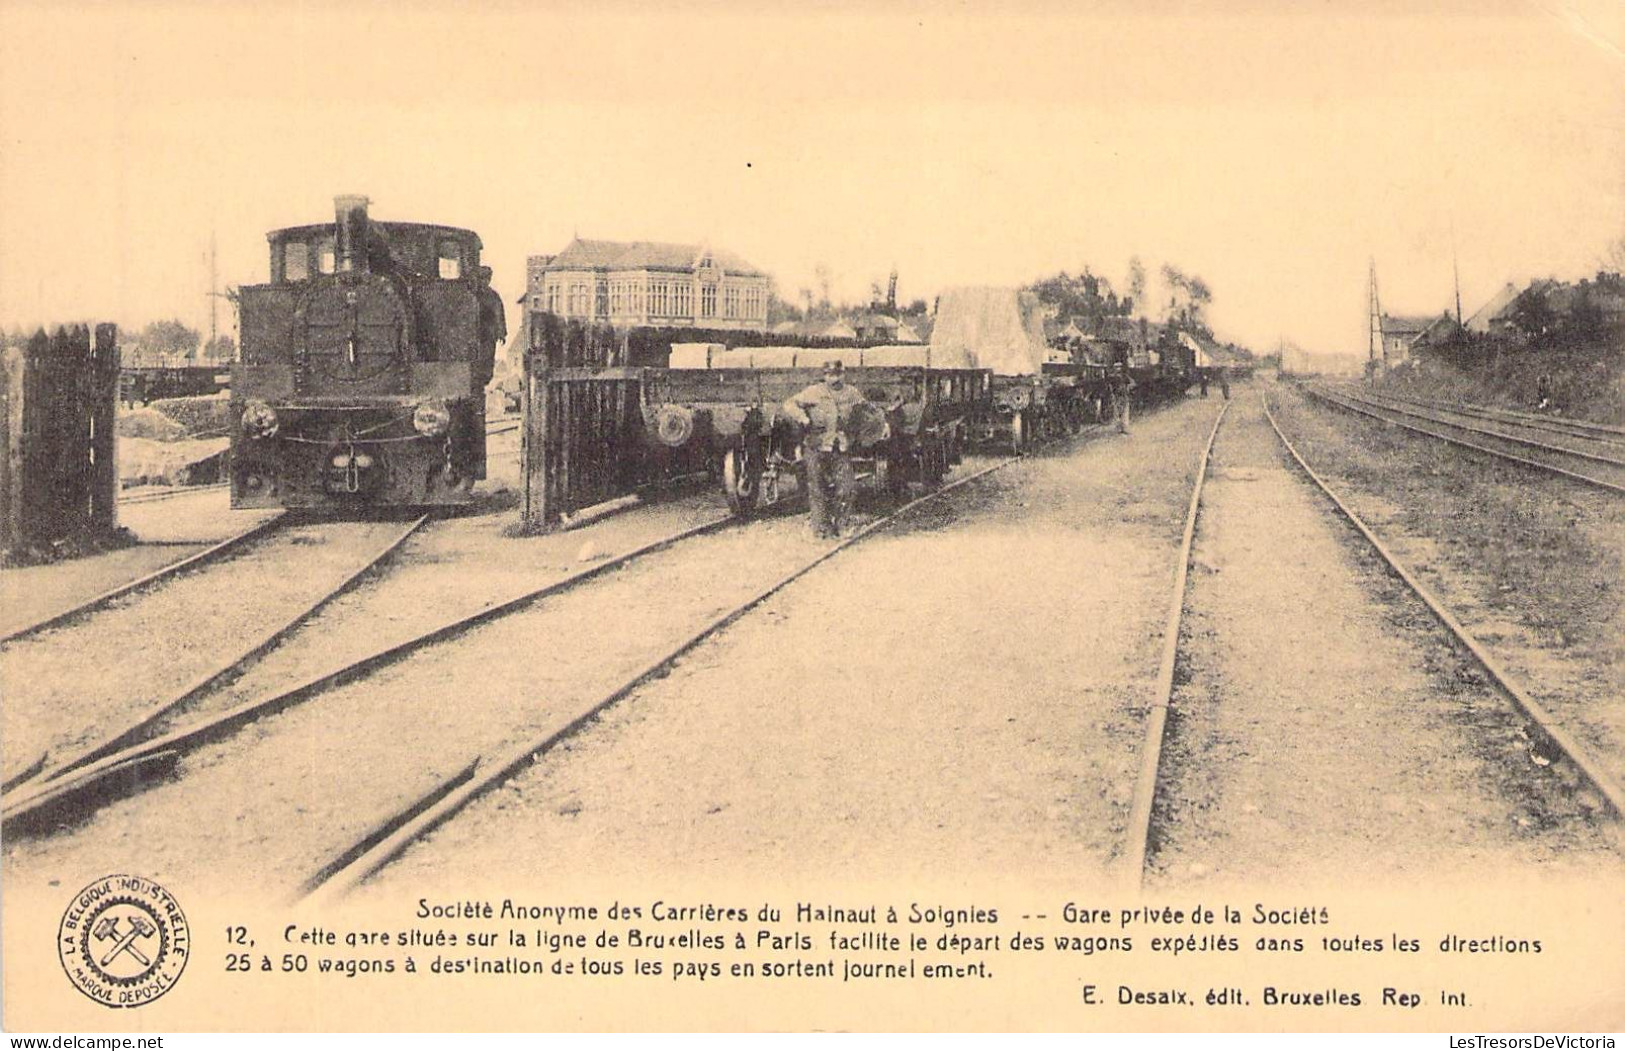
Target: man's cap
{"points": [[834, 366]]}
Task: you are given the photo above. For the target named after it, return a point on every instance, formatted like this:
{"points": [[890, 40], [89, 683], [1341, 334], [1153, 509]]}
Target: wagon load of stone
{"points": [[989, 328]]}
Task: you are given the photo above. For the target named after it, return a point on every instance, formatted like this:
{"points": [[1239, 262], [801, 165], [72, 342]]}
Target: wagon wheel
{"points": [[741, 481], [935, 459], [1018, 433], [897, 474]]}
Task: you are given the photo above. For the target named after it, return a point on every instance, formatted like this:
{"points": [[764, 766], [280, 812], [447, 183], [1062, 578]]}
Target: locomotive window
{"points": [[295, 261], [451, 260], [326, 257]]}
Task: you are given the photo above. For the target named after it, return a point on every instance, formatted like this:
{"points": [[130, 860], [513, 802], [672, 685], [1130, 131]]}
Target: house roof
{"points": [[1480, 321], [1406, 325], [1440, 328], [1539, 286], [583, 254]]}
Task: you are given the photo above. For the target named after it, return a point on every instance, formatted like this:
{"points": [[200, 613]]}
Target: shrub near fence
{"points": [[59, 478]]}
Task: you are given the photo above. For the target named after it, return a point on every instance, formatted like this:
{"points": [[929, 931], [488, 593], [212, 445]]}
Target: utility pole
{"points": [[214, 292], [1374, 341], [215, 296], [1455, 268]]}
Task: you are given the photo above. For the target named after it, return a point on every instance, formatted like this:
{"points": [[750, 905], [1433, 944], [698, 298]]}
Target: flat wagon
{"points": [[725, 407]]}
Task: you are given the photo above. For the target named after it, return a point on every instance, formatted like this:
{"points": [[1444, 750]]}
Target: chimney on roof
{"points": [[351, 245]]}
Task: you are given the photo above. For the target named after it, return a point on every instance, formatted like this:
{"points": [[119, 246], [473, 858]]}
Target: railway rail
{"points": [[21, 789], [105, 773], [1596, 466], [1532, 420], [1132, 860], [1511, 689], [390, 838], [196, 560], [1136, 855]]}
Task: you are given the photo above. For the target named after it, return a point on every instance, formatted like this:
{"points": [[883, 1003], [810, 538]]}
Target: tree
{"points": [[779, 310], [1613, 257], [1188, 297], [220, 348], [1136, 279], [1531, 314], [1087, 297], [169, 337], [822, 274]]}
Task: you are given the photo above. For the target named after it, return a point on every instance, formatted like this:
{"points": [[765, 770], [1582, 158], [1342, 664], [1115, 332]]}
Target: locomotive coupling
{"points": [[259, 420]]}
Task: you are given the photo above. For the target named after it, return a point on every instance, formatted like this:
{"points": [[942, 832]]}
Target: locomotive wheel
{"points": [[741, 481]]}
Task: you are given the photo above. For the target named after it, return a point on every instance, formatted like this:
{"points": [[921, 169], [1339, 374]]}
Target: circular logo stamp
{"points": [[123, 941]]}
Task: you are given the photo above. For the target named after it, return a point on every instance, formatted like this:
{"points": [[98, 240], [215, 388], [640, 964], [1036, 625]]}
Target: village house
{"points": [[648, 283], [1399, 333]]}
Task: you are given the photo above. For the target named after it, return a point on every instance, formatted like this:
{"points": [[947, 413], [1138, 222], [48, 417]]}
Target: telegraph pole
{"points": [[1374, 342], [214, 293]]}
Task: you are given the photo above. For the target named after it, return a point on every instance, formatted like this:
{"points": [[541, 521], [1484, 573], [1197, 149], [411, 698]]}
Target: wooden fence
{"points": [[58, 474], [583, 440]]}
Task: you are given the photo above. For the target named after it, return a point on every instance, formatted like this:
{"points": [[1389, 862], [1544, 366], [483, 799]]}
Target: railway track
{"points": [[157, 495], [20, 789], [1512, 690], [1534, 421], [102, 773], [387, 840], [1601, 465], [1134, 861], [196, 560]]}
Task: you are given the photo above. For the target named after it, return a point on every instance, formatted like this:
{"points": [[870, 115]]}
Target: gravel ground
{"points": [[1533, 565], [1325, 731], [169, 530], [71, 686], [272, 804], [963, 694], [176, 528]]}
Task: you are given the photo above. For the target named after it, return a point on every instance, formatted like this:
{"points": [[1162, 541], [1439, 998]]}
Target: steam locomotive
{"points": [[364, 359]]}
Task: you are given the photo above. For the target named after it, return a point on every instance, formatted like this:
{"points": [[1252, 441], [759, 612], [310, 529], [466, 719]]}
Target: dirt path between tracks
{"points": [[1324, 731]]}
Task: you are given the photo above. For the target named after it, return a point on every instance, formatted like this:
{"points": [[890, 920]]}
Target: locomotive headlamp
{"points": [[259, 420], [431, 419]]}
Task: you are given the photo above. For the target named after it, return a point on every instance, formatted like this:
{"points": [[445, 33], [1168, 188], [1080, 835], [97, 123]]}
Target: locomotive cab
{"points": [[363, 366]]}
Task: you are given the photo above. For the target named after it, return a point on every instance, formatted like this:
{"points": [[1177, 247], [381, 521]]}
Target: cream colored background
{"points": [[1270, 151]]}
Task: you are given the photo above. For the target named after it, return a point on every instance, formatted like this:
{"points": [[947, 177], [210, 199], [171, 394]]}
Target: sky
{"points": [[1274, 150]]}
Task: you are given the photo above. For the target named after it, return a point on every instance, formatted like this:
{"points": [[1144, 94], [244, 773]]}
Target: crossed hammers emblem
{"points": [[108, 930]]}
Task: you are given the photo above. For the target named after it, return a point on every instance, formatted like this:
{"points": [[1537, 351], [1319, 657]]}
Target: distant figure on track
{"points": [[1224, 382], [1543, 391], [825, 409], [1201, 376], [1122, 388]]}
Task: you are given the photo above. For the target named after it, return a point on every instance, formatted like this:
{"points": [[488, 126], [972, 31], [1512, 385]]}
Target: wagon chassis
{"points": [[731, 417]]}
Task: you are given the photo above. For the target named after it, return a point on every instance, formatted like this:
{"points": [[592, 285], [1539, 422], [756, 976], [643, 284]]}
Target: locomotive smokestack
{"points": [[351, 249]]}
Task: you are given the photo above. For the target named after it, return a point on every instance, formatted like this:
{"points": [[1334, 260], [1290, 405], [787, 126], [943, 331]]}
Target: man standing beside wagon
{"points": [[826, 410]]}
